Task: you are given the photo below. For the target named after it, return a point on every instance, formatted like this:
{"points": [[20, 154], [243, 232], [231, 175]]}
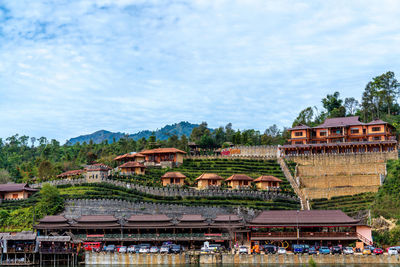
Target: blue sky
{"points": [[73, 67]]}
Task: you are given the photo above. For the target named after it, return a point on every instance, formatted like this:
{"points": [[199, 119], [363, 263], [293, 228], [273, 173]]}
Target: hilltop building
{"points": [[341, 135], [164, 157], [71, 174], [138, 157], [16, 191], [97, 171]]}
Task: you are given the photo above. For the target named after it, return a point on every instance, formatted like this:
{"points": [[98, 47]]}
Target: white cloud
{"points": [[78, 66]]}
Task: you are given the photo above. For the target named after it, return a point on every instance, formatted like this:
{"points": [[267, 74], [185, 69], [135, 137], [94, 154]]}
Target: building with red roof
{"points": [[138, 157], [97, 172], [173, 178], [341, 135], [71, 174], [207, 180]]}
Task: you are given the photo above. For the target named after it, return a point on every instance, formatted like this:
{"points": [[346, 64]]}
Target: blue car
{"points": [[300, 249], [324, 250]]}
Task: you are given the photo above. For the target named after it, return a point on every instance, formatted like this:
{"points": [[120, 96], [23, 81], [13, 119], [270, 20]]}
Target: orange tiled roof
{"points": [[267, 178], [209, 176], [132, 164], [173, 175], [129, 156], [162, 150], [239, 177]]}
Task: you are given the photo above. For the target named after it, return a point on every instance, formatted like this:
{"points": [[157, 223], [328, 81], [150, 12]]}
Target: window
{"points": [[298, 143], [376, 129], [377, 138], [322, 133], [15, 195], [245, 183], [355, 131], [298, 134]]}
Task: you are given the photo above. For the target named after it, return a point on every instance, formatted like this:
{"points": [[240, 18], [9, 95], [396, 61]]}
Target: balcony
{"points": [[304, 235], [154, 237]]}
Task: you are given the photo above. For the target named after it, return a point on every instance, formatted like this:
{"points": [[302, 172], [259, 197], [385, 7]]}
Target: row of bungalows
{"points": [[280, 227], [341, 135], [211, 180]]}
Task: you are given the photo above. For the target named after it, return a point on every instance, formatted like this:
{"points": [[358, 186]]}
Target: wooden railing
{"points": [[305, 234]]}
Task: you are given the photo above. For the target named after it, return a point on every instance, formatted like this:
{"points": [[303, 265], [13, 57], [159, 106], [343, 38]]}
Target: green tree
{"points": [[351, 105], [45, 170], [333, 105], [50, 201], [306, 116]]}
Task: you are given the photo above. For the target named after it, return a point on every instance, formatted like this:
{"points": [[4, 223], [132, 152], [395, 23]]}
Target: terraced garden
{"points": [[348, 204], [193, 168], [108, 191]]}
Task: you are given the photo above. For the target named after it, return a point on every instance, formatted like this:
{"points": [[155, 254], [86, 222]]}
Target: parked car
{"points": [[312, 250], [336, 250], [137, 249], [392, 251], [216, 248], [131, 249], [92, 246], [300, 249], [243, 250], [154, 249], [366, 251], [281, 251], [324, 250], [348, 251], [144, 248], [122, 249], [110, 248], [176, 249], [165, 249], [270, 249], [378, 251]]}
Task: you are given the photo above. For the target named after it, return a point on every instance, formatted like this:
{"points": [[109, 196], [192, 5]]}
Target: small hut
{"points": [[208, 180], [132, 168], [239, 180], [173, 178], [266, 181]]}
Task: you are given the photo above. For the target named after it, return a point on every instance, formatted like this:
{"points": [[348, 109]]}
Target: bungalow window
{"points": [[355, 131], [298, 134], [322, 133], [15, 196], [245, 183], [377, 138], [298, 143], [376, 129]]}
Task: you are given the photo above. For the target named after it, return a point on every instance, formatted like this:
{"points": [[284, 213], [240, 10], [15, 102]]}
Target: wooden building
{"points": [[237, 181], [138, 157], [16, 191], [173, 178], [341, 135], [132, 168], [313, 227], [207, 180], [164, 157], [266, 182]]}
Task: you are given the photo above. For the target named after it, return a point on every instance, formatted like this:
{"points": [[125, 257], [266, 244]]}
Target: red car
{"points": [[378, 251]]}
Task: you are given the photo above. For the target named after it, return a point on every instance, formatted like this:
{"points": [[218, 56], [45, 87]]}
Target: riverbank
{"points": [[93, 258]]}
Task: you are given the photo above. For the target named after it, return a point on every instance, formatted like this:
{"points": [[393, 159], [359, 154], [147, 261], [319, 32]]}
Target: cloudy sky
{"points": [[73, 67]]}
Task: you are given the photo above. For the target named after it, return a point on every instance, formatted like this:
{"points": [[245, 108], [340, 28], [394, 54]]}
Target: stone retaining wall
{"points": [[75, 208], [92, 258]]}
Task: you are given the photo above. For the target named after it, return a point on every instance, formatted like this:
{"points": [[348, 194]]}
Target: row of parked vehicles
{"points": [[325, 250], [166, 247]]}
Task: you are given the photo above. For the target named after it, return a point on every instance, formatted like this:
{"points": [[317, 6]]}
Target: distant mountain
{"points": [[179, 129]]}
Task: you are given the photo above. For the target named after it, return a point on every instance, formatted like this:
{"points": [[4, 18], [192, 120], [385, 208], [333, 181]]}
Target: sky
{"points": [[69, 68]]}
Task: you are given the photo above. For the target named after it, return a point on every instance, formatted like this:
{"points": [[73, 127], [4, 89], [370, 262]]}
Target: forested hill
{"points": [[179, 129]]}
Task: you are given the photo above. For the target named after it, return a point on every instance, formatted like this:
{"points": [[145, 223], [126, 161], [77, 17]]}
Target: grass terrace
{"points": [[348, 204], [193, 168], [108, 191]]}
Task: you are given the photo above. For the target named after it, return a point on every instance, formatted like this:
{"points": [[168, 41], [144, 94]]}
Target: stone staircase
{"points": [[305, 205]]}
